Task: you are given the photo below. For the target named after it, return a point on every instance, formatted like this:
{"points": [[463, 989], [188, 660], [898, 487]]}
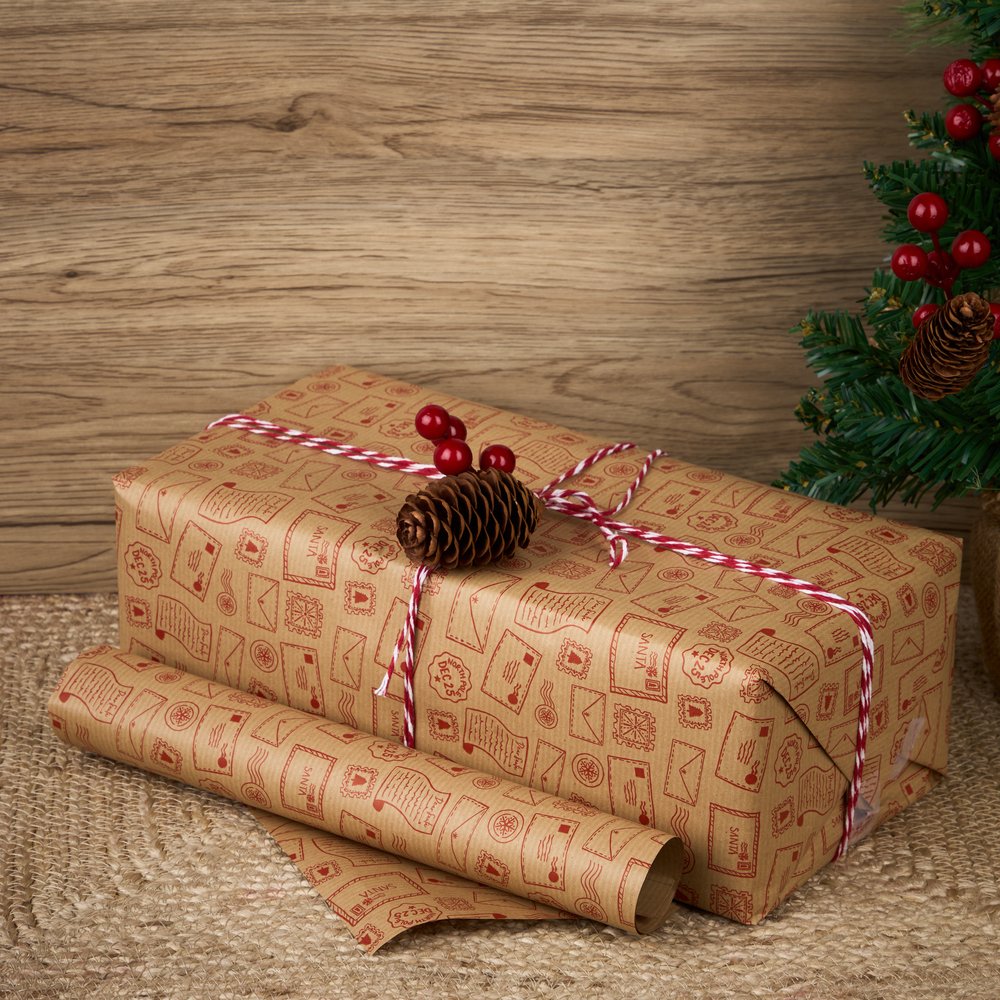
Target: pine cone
{"points": [[994, 116], [470, 519], [949, 347]]}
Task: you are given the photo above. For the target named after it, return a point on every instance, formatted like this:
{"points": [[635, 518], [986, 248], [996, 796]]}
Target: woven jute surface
{"points": [[114, 883]]}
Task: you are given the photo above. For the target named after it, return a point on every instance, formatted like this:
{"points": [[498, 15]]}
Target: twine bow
{"points": [[577, 503]]}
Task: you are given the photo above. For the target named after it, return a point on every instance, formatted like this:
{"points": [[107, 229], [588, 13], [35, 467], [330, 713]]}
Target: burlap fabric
{"points": [[116, 884]]}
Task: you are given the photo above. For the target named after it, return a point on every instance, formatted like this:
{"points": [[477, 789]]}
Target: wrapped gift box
{"points": [[717, 705]]}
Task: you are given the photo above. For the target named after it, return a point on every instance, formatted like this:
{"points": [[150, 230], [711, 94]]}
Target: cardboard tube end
{"points": [[658, 890]]}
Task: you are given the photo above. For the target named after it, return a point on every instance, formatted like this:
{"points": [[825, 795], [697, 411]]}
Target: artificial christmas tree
{"points": [[909, 403]]}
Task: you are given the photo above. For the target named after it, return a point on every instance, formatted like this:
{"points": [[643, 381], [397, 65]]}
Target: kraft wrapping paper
{"points": [[690, 698], [416, 821]]}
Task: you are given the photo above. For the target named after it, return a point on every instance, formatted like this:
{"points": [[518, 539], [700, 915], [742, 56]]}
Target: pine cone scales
{"points": [[949, 347], [470, 519]]}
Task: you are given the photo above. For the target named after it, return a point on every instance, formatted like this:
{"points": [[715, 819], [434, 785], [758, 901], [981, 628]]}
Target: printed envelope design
{"points": [[625, 578], [262, 602]]}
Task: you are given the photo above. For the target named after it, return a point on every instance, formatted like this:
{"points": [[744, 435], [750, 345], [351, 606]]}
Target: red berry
{"points": [[456, 429], [995, 309], [991, 74], [963, 121], [941, 268], [432, 421], [927, 212], [994, 145], [970, 248], [453, 456], [962, 77], [922, 312], [497, 456], [909, 262]]}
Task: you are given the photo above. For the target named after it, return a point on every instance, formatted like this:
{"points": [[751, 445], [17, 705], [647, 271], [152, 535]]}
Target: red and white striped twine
{"points": [[253, 425], [576, 503], [407, 644]]}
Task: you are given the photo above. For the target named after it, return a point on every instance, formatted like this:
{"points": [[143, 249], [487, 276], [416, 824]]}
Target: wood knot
{"points": [[291, 122], [71, 274]]}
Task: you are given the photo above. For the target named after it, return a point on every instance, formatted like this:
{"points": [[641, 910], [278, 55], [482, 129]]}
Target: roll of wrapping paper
{"points": [[398, 803]]}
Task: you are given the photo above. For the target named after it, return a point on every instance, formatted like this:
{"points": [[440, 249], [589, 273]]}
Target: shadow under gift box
{"points": [[690, 697]]}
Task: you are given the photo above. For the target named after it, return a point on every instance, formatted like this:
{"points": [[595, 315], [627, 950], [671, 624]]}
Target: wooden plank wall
{"points": [[606, 214]]}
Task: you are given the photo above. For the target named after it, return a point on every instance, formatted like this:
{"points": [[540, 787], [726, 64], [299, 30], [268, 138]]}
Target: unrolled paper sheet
{"points": [[415, 837]]}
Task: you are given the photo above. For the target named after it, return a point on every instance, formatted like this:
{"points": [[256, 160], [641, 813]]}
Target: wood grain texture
{"points": [[605, 214]]}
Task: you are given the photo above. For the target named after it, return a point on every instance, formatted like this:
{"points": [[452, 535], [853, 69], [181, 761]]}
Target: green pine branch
{"points": [[974, 24], [874, 437]]}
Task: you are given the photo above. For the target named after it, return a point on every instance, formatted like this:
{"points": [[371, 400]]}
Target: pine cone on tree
{"points": [[470, 519], [949, 347]]}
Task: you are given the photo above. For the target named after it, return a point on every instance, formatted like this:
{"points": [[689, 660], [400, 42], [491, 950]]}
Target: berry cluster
{"points": [[452, 454], [964, 78], [927, 213]]}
